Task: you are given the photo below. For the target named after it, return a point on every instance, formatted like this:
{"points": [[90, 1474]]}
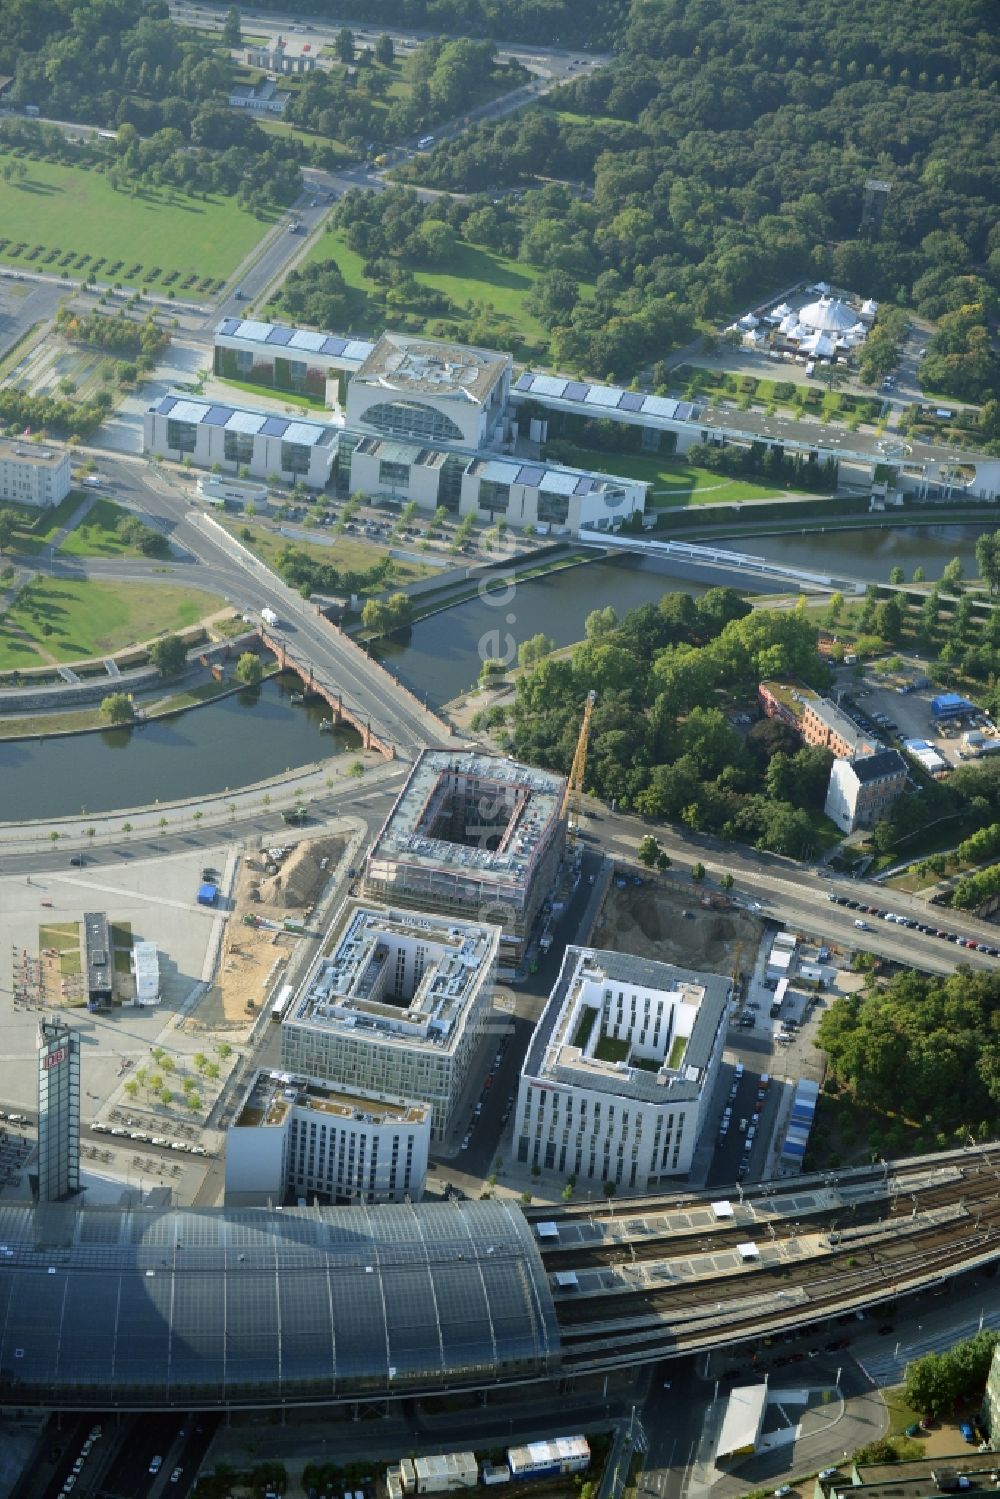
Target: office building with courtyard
{"points": [[620, 1070], [473, 836], [298, 1138], [395, 1006]]}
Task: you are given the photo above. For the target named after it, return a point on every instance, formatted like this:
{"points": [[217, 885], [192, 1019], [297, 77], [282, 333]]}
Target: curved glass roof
{"points": [[146, 1307]]}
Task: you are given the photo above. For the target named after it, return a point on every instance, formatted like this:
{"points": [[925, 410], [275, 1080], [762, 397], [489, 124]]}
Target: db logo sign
{"points": [[54, 1058]]}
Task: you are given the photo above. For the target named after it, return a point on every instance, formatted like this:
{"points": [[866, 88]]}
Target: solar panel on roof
{"points": [[604, 395], [217, 416], [334, 346], [304, 338], [575, 390], [659, 406], [280, 336], [358, 349], [246, 421], [228, 326], [257, 332], [548, 385], [304, 432], [275, 426], [167, 404], [684, 412], [631, 401], [556, 482], [524, 382], [190, 411], [530, 476], [583, 486]]}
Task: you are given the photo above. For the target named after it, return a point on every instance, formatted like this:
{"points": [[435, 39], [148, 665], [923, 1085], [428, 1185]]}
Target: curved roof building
{"points": [[828, 315], [144, 1308]]}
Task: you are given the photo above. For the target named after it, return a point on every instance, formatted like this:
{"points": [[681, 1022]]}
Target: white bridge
{"points": [[706, 556]]}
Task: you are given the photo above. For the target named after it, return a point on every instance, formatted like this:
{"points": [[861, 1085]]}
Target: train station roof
{"points": [[142, 1308]]}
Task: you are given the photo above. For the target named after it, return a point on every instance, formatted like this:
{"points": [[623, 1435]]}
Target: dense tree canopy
{"points": [[924, 1047], [660, 741]]}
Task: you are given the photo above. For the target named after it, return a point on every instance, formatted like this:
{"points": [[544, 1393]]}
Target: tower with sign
{"points": [[58, 1111]]}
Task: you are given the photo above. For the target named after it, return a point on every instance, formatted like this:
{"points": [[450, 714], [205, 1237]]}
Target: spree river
{"points": [[252, 736], [233, 742]]}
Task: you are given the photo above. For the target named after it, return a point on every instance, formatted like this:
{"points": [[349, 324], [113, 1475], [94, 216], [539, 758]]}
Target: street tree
{"points": [[232, 35], [648, 851], [8, 526], [385, 51], [344, 45]]}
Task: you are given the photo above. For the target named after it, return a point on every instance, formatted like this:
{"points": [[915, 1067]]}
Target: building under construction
{"points": [[476, 836]]}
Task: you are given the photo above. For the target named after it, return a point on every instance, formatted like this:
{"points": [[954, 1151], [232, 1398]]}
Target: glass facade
{"points": [[394, 473], [295, 458], [238, 446], [410, 419], [213, 1307], [494, 497], [181, 436]]}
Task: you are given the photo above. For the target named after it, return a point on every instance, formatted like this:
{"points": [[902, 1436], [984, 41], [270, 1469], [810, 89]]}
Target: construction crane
{"points": [[574, 784]]}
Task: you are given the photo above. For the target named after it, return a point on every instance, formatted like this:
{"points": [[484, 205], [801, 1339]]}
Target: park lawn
{"points": [[307, 137], [672, 480], [475, 275], [343, 551], [37, 528], [75, 208], [87, 619], [97, 535], [292, 398]]}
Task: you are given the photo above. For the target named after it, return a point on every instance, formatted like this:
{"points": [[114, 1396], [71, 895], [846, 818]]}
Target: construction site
{"points": [[671, 919], [274, 895]]}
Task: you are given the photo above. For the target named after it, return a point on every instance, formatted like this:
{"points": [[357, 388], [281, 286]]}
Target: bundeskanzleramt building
{"points": [[394, 1006], [208, 432], [33, 474], [620, 1069], [474, 836], [310, 1139], [864, 789]]}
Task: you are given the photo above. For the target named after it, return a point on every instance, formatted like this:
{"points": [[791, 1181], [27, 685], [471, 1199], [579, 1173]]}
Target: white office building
{"points": [[301, 1138], [207, 432], [431, 392], [395, 1005], [620, 1069], [32, 473]]}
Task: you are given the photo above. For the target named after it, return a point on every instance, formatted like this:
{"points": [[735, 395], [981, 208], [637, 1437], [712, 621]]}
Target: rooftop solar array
{"points": [[146, 1307], [604, 397], [235, 419], [280, 336]]}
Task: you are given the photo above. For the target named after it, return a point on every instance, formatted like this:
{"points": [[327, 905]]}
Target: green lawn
{"points": [[75, 209], [86, 619], [97, 535], [343, 551], [36, 530], [672, 480], [291, 398], [475, 275], [611, 1049]]}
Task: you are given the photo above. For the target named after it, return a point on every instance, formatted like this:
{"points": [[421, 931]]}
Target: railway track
{"points": [[648, 1294]]}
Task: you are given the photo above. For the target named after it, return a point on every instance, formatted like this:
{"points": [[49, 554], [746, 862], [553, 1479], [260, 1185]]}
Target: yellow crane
{"points": [[574, 784]]}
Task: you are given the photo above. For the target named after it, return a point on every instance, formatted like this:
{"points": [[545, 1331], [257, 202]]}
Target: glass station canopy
{"points": [[148, 1308]]}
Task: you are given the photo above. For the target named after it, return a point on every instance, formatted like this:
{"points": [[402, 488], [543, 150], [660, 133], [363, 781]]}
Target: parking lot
{"points": [[899, 708]]}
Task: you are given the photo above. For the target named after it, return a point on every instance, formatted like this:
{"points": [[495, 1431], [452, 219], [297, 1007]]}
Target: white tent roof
{"points": [[743, 1420], [819, 344], [828, 315]]}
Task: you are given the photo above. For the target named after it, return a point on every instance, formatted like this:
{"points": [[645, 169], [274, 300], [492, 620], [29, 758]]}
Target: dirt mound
{"points": [[667, 920], [302, 875]]}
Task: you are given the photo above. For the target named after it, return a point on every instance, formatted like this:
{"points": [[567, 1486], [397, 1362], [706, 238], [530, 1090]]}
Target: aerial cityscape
{"points": [[499, 749]]}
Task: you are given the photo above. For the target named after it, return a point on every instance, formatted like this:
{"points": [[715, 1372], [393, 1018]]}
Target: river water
{"points": [[233, 742], [252, 736]]}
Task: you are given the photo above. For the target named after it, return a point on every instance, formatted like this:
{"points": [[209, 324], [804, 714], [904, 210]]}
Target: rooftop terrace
{"points": [[273, 1094]]}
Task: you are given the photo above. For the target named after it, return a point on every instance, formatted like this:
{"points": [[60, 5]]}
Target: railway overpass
{"points": [[151, 1309]]}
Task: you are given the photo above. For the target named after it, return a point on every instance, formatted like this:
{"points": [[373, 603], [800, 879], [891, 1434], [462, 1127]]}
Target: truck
{"points": [[268, 616], [295, 814]]}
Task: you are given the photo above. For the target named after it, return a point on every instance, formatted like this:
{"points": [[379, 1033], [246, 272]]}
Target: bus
{"points": [[282, 1002], [227, 492]]}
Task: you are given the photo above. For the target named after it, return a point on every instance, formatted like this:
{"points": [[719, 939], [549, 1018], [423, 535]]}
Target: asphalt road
{"points": [[797, 895], [23, 305], [220, 562]]}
